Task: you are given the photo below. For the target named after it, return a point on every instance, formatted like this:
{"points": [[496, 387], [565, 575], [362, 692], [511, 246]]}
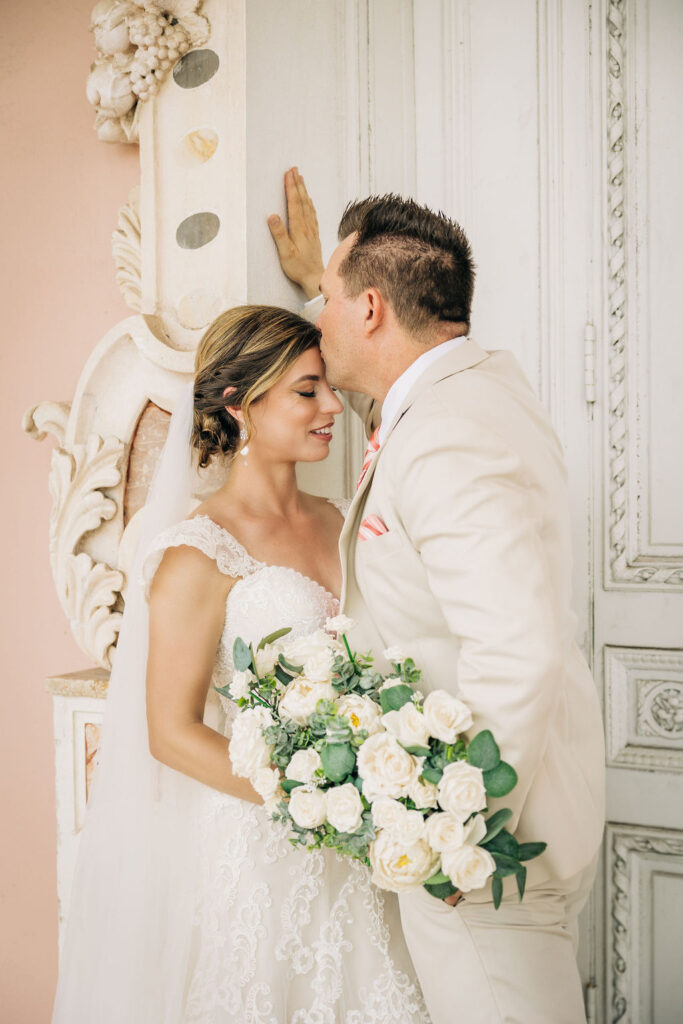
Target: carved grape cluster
{"points": [[161, 40]]}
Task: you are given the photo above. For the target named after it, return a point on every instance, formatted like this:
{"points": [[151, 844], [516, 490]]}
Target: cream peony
{"points": [[461, 789], [444, 832], [248, 749], [385, 767], [408, 725], [297, 649], [446, 717], [423, 793], [397, 867], [340, 624], [362, 712], [318, 666], [468, 867], [308, 806], [301, 697], [344, 808], [240, 684], [303, 765]]}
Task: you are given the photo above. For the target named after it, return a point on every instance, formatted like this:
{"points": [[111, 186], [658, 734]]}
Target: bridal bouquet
{"points": [[363, 763]]}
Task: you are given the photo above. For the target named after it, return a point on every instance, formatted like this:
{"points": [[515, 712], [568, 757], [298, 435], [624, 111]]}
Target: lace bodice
{"points": [[264, 598]]}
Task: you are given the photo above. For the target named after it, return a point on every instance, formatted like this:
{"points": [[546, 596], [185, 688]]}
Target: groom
{"points": [[457, 549]]}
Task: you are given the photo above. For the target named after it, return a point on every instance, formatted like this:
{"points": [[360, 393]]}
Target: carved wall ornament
{"points": [[644, 708], [631, 850], [627, 563], [126, 249], [137, 42]]}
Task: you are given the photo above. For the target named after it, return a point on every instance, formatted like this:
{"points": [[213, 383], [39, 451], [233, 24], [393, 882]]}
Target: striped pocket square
{"points": [[372, 527]]}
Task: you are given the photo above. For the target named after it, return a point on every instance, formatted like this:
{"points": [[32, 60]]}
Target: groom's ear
{"points": [[375, 311]]}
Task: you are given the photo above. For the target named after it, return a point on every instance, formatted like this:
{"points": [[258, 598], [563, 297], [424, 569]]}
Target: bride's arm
{"points": [[186, 613]]}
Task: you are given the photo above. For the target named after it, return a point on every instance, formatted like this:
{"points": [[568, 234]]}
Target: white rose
{"points": [[392, 681], [407, 725], [344, 808], [240, 684], [423, 793], [362, 712], [467, 867], [461, 789], [444, 832], [405, 826], [299, 648], [266, 659], [308, 807], [266, 782], [318, 667], [446, 716], [385, 767], [397, 867], [248, 749], [340, 624], [303, 765], [301, 697], [395, 654]]}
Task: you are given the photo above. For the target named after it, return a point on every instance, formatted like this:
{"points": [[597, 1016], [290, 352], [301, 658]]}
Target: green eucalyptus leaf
{"points": [[499, 781], [483, 751], [289, 784], [338, 759], [441, 891], [241, 655], [224, 691], [496, 823], [505, 865], [418, 751], [438, 879], [282, 676], [503, 843], [272, 637], [292, 669], [497, 891], [395, 697], [521, 880], [431, 774], [527, 851]]}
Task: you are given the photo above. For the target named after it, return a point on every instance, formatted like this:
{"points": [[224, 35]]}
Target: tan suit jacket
{"points": [[473, 580]]}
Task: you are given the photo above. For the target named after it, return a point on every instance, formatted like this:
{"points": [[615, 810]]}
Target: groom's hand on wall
{"points": [[299, 247]]}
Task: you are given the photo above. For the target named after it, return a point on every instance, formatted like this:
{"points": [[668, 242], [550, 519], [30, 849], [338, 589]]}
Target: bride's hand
{"points": [[299, 247]]}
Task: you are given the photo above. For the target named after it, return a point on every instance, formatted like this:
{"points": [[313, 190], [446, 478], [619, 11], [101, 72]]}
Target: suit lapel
{"points": [[462, 358]]}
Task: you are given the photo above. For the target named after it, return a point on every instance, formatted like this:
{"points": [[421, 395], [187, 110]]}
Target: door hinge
{"points": [[589, 362]]}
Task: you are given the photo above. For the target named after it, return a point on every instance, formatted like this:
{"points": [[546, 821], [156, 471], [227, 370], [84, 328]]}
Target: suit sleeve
{"points": [[467, 505]]}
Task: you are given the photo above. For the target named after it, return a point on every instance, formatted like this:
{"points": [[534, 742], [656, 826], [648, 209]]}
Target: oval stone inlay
{"points": [[197, 230], [195, 68]]}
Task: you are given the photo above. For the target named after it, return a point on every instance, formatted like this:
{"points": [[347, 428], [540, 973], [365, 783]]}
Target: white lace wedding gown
{"points": [[282, 935]]}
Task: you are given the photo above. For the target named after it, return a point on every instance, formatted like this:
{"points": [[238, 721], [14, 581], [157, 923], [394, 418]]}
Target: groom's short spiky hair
{"points": [[419, 260]]}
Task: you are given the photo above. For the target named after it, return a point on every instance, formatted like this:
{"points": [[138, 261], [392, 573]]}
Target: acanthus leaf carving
{"points": [[126, 248], [87, 590]]}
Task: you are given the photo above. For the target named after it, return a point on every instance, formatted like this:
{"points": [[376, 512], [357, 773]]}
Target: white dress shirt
{"points": [[402, 385]]}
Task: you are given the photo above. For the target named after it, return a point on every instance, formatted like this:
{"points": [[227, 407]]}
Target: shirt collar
{"points": [[400, 388]]}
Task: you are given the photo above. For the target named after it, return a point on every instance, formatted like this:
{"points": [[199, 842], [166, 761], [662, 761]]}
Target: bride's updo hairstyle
{"points": [[248, 348]]}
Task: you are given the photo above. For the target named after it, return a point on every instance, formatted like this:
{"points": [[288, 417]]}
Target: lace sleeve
{"points": [[341, 504], [209, 538]]}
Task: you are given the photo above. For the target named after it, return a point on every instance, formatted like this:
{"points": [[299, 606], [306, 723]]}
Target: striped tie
{"points": [[370, 452]]}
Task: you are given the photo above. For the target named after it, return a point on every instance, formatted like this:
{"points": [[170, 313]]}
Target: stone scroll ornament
{"points": [[137, 42]]}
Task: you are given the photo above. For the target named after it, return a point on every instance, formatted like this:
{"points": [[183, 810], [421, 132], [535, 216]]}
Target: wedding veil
{"points": [[127, 944]]}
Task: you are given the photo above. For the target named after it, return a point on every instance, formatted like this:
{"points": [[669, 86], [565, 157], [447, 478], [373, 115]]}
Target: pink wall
{"points": [[60, 193]]}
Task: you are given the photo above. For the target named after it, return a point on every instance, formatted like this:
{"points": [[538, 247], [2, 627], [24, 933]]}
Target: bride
{"points": [[188, 904]]}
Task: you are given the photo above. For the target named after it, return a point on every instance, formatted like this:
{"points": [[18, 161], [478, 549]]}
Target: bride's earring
{"points": [[244, 450]]}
